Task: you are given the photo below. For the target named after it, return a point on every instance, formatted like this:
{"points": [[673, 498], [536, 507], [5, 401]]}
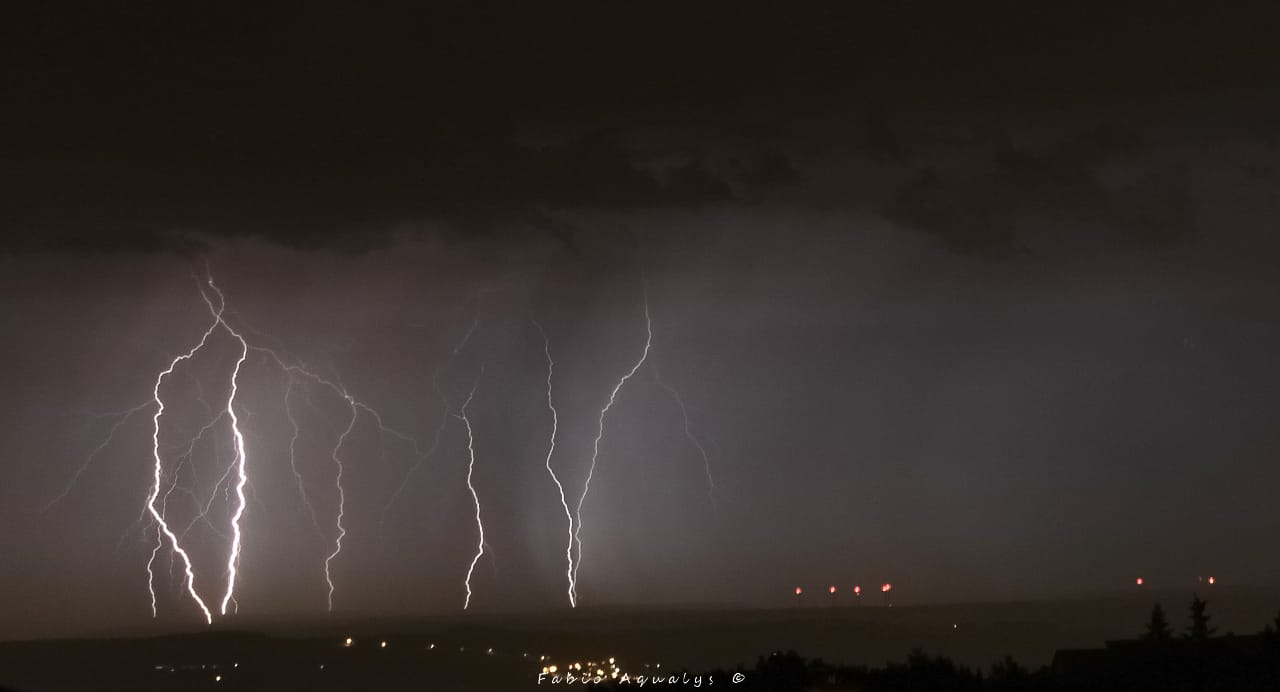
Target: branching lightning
{"points": [[595, 449], [293, 459], [174, 468], [555, 425], [446, 408], [471, 467], [235, 484], [356, 407], [241, 461], [342, 500], [157, 472], [121, 417], [688, 431]]}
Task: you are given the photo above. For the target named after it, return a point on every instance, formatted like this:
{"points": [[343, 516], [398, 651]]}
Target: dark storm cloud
{"points": [[327, 194], [151, 128], [1004, 190]]}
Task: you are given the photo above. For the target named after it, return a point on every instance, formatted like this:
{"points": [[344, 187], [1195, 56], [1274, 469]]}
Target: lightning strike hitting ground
{"points": [[555, 424], [595, 450], [356, 407], [447, 408], [157, 472], [471, 467], [235, 480], [342, 500], [235, 484], [241, 461]]}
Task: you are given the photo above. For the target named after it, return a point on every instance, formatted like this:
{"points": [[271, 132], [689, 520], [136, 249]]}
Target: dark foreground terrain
{"points": [[860, 648]]}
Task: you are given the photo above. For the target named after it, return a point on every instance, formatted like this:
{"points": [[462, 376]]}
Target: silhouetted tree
{"points": [[1158, 627], [1199, 628], [1271, 629]]}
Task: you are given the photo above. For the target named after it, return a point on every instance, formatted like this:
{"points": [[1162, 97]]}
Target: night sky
{"points": [[980, 302]]}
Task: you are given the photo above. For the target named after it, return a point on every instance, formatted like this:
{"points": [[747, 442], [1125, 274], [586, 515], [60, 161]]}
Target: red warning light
{"points": [[886, 587], [1138, 581], [857, 591], [799, 591], [1211, 581], [832, 590]]}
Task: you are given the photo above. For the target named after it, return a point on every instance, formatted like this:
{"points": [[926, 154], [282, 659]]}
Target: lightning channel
{"points": [[471, 467], [688, 431], [356, 407], [121, 417], [555, 424], [342, 500], [240, 462], [157, 472], [595, 449], [446, 409], [293, 458]]}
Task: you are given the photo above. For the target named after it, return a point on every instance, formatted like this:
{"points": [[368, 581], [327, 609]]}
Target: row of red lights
{"points": [[1211, 581], [887, 587], [857, 590]]}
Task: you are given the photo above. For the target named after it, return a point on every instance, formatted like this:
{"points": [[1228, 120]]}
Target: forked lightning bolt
{"points": [[157, 472], [444, 419], [235, 484], [241, 461], [356, 407], [236, 477], [595, 450], [342, 500], [555, 424], [471, 467]]}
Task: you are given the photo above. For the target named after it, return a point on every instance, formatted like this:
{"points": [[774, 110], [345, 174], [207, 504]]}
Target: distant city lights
{"points": [[593, 668]]}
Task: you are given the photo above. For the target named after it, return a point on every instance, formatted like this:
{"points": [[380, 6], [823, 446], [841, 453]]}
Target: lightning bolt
{"points": [[121, 417], [202, 508], [235, 478], [241, 460], [342, 499], [555, 424], [444, 418], [356, 407], [293, 459], [471, 467], [157, 472], [595, 450], [688, 431], [236, 486]]}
